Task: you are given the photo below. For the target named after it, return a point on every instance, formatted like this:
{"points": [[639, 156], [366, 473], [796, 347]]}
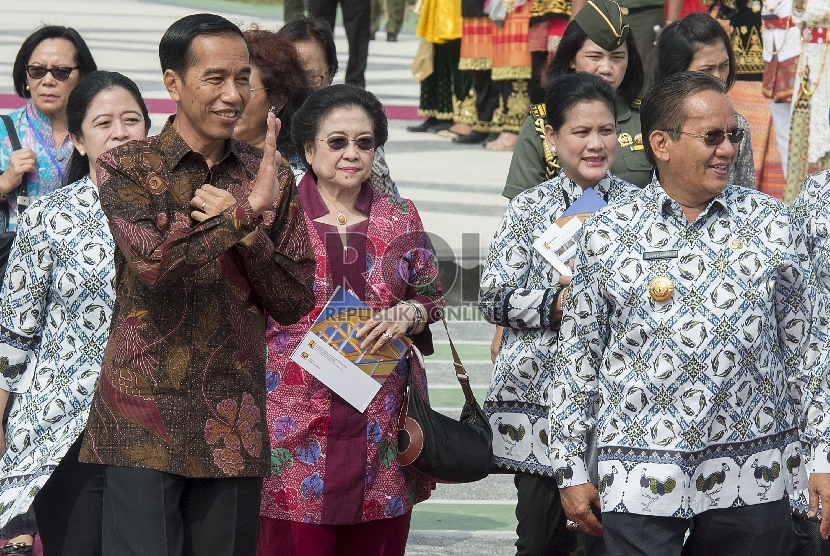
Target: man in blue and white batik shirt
{"points": [[688, 343]]}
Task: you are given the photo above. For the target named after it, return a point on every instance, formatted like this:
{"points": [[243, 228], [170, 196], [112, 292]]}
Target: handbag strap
{"points": [[460, 371], [16, 146], [12, 132]]}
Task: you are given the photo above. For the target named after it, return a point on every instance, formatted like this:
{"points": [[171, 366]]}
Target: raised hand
{"points": [[267, 185]]}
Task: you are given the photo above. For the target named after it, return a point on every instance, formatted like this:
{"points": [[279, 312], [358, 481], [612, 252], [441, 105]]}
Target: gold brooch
{"points": [[736, 244], [661, 289]]}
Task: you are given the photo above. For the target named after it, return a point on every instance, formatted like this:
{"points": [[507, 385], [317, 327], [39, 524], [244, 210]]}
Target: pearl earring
{"points": [[27, 87], [82, 152]]}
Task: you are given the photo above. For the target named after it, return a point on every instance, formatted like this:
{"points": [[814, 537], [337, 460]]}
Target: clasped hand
{"points": [[385, 327]]}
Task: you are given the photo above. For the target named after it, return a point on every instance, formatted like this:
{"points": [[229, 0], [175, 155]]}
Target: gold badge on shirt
{"points": [[638, 143], [625, 139], [661, 289]]}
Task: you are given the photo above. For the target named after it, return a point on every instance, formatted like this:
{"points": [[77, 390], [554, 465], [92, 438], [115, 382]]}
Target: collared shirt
{"points": [[182, 387], [34, 129], [55, 312], [811, 217], [697, 398], [518, 287]]}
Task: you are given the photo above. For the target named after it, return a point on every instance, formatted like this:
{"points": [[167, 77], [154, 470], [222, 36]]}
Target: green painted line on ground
{"points": [[442, 397], [467, 352], [464, 517]]}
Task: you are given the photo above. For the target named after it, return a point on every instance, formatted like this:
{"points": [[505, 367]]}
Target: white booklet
{"points": [[558, 244], [331, 353]]}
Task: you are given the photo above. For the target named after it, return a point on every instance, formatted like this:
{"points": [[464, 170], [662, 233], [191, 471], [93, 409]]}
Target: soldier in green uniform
{"points": [[598, 40]]}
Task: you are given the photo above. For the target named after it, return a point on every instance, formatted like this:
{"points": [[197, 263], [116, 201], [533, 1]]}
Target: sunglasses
{"points": [[61, 73], [339, 143], [716, 136]]}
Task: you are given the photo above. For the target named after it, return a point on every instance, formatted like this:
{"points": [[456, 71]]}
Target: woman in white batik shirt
{"points": [[522, 292], [55, 309]]}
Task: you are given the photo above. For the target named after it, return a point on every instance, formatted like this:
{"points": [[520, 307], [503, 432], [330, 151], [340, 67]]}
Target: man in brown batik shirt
{"points": [[210, 241]]}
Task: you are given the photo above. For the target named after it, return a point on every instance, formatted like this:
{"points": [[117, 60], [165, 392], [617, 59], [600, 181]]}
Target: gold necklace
{"points": [[341, 218]]}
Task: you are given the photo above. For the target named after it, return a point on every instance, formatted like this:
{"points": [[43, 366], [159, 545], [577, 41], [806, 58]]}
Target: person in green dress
{"points": [[598, 41]]}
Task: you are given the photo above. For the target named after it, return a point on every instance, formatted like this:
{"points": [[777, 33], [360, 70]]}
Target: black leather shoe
{"points": [[391, 38], [472, 138], [424, 126], [440, 126], [492, 137]]}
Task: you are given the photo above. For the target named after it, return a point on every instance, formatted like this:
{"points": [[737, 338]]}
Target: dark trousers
{"points": [[536, 88], [395, 12], [151, 513], [487, 99], [743, 531], [541, 529], [806, 538], [642, 24], [357, 16], [69, 507], [292, 9]]}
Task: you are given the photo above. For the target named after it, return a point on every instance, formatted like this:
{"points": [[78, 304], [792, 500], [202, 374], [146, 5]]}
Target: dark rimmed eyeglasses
{"points": [[339, 143], [61, 73], [716, 136]]}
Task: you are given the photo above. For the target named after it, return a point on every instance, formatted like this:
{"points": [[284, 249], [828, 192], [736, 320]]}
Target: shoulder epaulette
{"points": [[538, 110]]}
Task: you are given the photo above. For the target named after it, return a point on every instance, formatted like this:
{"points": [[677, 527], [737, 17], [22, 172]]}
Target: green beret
{"points": [[603, 22]]}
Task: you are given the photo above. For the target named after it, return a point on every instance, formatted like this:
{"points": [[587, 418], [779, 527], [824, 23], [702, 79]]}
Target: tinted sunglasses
{"points": [[61, 73], [339, 143], [716, 136]]}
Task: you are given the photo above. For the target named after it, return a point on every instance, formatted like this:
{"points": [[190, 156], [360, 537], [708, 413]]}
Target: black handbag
{"points": [[436, 447], [7, 238]]}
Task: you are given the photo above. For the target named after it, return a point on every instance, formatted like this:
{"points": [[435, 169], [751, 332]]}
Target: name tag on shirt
{"points": [[657, 255]]}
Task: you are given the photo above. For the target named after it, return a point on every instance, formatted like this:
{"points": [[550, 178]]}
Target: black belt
{"points": [[629, 11]]}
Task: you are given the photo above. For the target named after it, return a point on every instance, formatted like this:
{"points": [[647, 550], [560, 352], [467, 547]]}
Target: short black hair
{"points": [[313, 29], [83, 57], [77, 107], [679, 41], [573, 39], [174, 48], [320, 104], [664, 106], [570, 89]]}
